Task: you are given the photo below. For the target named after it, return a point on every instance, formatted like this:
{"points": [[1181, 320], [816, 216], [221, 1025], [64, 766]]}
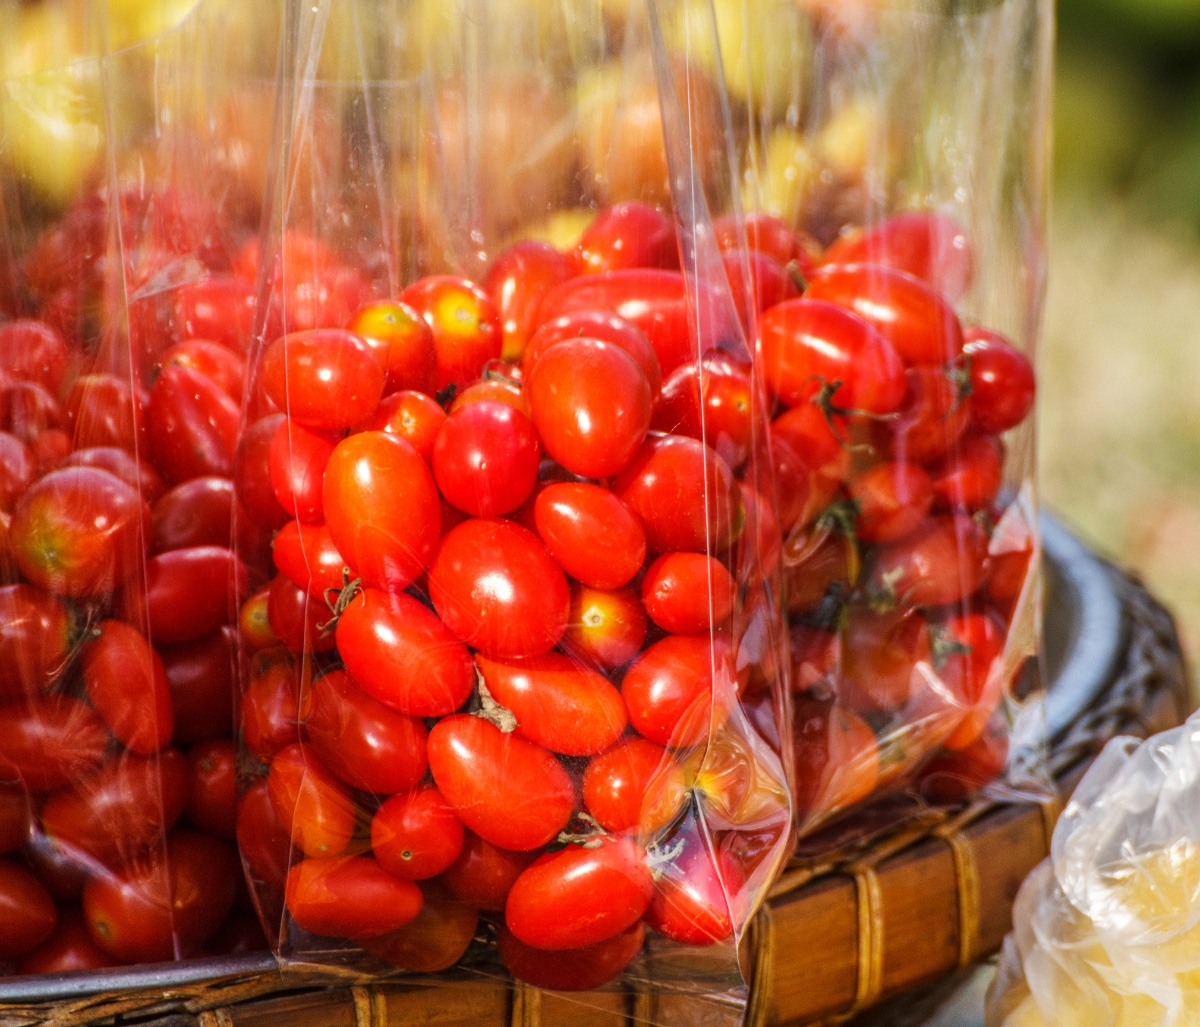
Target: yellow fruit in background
{"points": [[136, 21], [1025, 1015], [786, 175], [561, 229]]}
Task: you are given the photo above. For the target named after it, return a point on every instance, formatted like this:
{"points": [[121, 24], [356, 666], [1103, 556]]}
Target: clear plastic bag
{"points": [[1107, 930], [119, 202]]}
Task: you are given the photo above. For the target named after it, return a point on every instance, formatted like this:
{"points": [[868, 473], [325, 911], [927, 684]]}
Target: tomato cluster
{"points": [[119, 590]]}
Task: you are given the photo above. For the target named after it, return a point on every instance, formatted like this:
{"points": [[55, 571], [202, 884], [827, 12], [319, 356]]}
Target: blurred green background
{"points": [[1120, 360]]}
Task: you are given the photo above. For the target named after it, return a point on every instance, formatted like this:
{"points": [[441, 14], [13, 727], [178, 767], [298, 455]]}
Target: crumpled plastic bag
{"points": [[1107, 930]]}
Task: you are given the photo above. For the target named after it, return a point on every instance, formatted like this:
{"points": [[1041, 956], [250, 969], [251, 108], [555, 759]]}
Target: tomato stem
{"points": [[337, 599]]}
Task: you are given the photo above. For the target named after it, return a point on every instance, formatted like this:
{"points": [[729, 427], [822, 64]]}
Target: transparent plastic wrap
{"points": [[895, 169], [516, 685], [1107, 930], [120, 377]]}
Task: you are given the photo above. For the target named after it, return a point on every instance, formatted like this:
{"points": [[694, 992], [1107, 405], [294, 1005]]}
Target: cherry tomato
{"points": [[435, 939], [381, 508], [954, 775], [402, 342], [122, 810], [360, 740], [483, 874], [104, 410], [934, 417], [219, 307], [580, 895], [893, 499], [35, 640], [416, 835], [349, 897], [70, 947], [326, 379], [687, 593], [296, 462], [33, 351], [27, 912], [307, 555], [193, 425], [498, 590], [201, 683], [712, 400], [270, 703], [837, 757], [605, 629], [636, 784], [942, 562], [262, 841], [884, 656], [680, 689], [254, 620], [559, 704], [764, 233], [79, 532], [134, 471], [516, 281], [970, 477], [413, 416], [969, 651], [403, 655], [757, 282], [17, 469], [163, 908], [224, 366], [507, 790], [299, 621], [602, 325], [189, 592], [317, 809], [309, 283], [126, 683], [251, 476], [579, 969], [820, 566], [466, 325], [591, 533], [212, 787], [695, 892], [28, 411], [1002, 381], [50, 741], [904, 310], [50, 449], [198, 512], [485, 458], [625, 235], [15, 816]]}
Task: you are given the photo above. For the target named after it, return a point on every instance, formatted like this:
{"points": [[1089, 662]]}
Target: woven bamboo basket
{"points": [[889, 913]]}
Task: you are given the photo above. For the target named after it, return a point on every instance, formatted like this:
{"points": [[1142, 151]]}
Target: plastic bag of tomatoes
{"points": [[123, 329], [516, 681]]}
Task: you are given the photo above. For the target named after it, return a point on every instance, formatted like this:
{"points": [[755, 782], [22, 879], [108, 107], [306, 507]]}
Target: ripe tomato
{"points": [[270, 703], [934, 417], [711, 399], [27, 912], [507, 790], [757, 281], [416, 835], [381, 508], [602, 325], [262, 841], [627, 234], [573, 969], [893, 499], [296, 462], [201, 682], [224, 366], [198, 512], [310, 285], [28, 411], [435, 939], [307, 555], [837, 757], [559, 704], [79, 532], [636, 784], [684, 493], [50, 741], [104, 410], [953, 775], [17, 469], [885, 658], [970, 477], [165, 907], [365, 744], [605, 630], [485, 458], [413, 416], [483, 873], [764, 233], [1002, 381], [591, 533], [498, 590], [680, 689], [941, 562], [318, 809], [326, 379], [122, 810], [402, 342], [809, 345], [970, 647], [580, 895], [138, 473], [33, 351], [402, 654], [219, 307], [516, 281], [193, 425], [251, 478], [349, 897], [695, 897], [188, 592], [126, 683], [820, 566], [904, 310], [70, 947], [15, 816], [688, 593], [35, 640], [212, 787], [466, 325]]}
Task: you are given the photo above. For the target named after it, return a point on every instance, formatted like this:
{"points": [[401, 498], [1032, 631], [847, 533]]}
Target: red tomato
{"points": [[809, 345], [602, 325], [680, 689], [50, 449], [270, 703], [382, 508], [435, 939], [28, 411], [688, 593], [299, 621], [934, 417], [349, 897], [494, 385], [79, 532], [635, 784], [904, 310], [684, 493], [466, 325], [50, 741], [224, 366], [954, 775], [757, 282], [416, 835], [70, 947], [35, 640], [365, 744], [219, 307], [507, 790], [483, 874], [15, 816], [403, 344], [310, 286], [403, 655], [591, 533], [254, 620], [1003, 386], [413, 416], [695, 893], [498, 590], [33, 351], [516, 281], [198, 512], [942, 562], [559, 704], [712, 400], [892, 498], [580, 895], [212, 787], [188, 592], [122, 810], [485, 458], [625, 235], [296, 462], [820, 566], [163, 908], [262, 841], [193, 425], [104, 410], [132, 470], [885, 658], [17, 469], [970, 477], [573, 969], [127, 685], [326, 379], [764, 233], [837, 757], [27, 912], [307, 555], [970, 647], [605, 630], [251, 474], [201, 682], [316, 808]]}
